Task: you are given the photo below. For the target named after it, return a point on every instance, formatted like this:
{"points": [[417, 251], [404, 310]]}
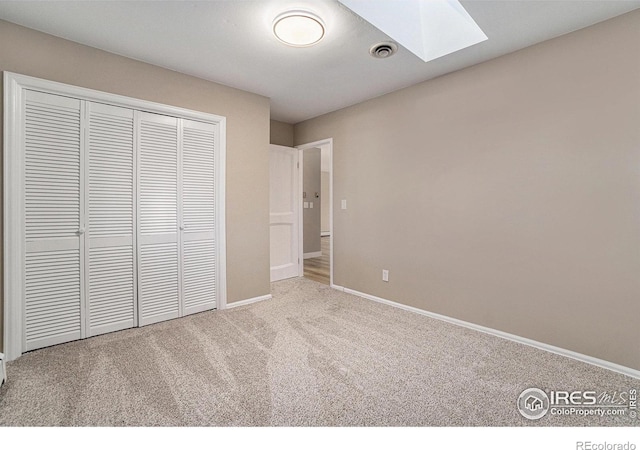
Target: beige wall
{"points": [[311, 217], [506, 194], [281, 133], [32, 53]]}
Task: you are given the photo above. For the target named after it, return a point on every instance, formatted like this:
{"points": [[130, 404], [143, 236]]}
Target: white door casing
{"points": [[284, 209]]}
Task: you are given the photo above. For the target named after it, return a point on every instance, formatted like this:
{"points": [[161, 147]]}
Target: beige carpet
{"points": [[311, 356]]}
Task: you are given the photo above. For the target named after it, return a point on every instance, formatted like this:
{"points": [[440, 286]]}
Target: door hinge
{"points": [[298, 165]]}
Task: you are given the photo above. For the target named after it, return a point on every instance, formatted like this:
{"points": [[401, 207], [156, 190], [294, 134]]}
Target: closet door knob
{"points": [[81, 231]]}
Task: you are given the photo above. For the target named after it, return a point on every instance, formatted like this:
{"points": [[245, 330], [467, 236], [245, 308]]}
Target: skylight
{"points": [[428, 28]]}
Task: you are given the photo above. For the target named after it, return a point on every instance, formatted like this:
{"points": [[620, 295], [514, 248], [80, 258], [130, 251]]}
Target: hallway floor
{"points": [[317, 269]]}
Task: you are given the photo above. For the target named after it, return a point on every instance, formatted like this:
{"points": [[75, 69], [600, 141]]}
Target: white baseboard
{"points": [[628, 371], [248, 301], [313, 255]]}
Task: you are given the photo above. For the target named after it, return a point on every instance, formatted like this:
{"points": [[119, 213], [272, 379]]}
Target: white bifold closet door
{"points": [[54, 269], [159, 282], [198, 212], [176, 217], [120, 218], [110, 249], [79, 214]]}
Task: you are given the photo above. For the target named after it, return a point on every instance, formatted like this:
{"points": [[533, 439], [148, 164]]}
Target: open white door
{"points": [[283, 212]]}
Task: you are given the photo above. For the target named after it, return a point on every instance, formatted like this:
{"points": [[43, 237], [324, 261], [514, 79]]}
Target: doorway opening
{"points": [[316, 212]]}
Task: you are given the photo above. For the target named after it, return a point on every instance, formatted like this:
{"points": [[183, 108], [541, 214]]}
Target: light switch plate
{"points": [[306, 204], [311, 205], [344, 204]]}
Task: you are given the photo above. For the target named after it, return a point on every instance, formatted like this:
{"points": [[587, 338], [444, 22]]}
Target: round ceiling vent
{"points": [[383, 50]]}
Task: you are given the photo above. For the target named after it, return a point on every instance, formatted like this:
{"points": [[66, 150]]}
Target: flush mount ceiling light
{"points": [[298, 28]]}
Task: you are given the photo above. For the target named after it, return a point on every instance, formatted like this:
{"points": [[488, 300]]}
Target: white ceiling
{"points": [[230, 42]]}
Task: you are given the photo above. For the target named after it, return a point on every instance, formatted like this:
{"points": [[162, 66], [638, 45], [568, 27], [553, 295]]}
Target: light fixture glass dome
{"points": [[298, 28]]}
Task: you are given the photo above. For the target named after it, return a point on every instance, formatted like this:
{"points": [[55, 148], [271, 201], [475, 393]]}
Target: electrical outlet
{"points": [[385, 275]]}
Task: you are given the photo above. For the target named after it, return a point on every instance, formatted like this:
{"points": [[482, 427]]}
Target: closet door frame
{"points": [[15, 86]]}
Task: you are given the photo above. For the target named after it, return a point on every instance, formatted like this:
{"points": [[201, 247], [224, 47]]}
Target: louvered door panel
{"points": [[158, 244], [52, 309], [111, 289], [199, 276], [158, 282], [111, 239], [198, 208], [198, 165], [53, 220]]}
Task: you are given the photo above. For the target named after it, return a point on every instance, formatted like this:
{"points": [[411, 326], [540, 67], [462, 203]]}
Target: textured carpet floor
{"points": [[310, 356]]}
